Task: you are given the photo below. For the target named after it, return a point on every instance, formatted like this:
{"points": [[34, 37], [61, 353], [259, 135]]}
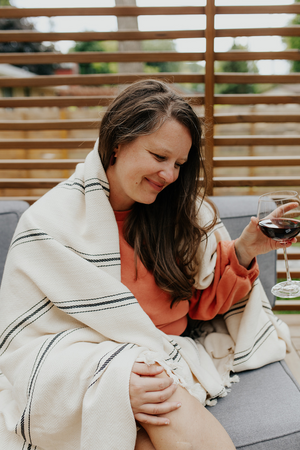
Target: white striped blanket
{"points": [[70, 331]]}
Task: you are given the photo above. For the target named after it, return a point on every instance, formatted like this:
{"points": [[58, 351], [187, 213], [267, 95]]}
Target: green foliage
{"points": [[235, 89], [161, 46], [24, 47], [96, 46], [236, 67], [193, 67], [293, 42], [149, 67], [112, 46]]}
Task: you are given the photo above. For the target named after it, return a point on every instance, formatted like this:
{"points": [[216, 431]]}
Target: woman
{"points": [[102, 275]]}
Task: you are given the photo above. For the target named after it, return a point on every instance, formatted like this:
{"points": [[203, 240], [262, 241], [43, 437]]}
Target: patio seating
{"points": [[262, 412]]}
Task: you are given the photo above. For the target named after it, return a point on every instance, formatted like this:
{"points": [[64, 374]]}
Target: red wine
{"points": [[280, 229]]}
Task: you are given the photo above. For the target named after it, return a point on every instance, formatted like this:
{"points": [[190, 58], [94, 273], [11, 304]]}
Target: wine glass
{"points": [[279, 219]]}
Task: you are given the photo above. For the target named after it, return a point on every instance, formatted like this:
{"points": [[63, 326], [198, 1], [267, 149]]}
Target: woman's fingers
{"points": [[160, 408], [152, 414], [151, 420], [155, 418], [281, 210], [158, 389], [156, 395], [144, 369]]}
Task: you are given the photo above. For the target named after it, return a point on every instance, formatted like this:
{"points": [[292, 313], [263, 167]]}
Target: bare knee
{"points": [[183, 446]]}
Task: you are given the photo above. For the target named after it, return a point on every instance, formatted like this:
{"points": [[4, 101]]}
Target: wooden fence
{"points": [[40, 148]]}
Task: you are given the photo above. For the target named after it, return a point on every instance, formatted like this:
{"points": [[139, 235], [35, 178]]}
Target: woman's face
{"points": [[145, 166]]}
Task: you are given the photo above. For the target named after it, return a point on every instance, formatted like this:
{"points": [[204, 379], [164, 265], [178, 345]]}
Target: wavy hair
{"points": [[165, 235]]}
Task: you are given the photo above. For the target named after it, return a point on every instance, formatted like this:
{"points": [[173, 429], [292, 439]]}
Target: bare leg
{"points": [[143, 441], [192, 427]]}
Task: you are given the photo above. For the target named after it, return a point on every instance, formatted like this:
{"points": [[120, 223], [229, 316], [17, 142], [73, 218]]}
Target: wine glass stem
{"points": [[288, 275]]}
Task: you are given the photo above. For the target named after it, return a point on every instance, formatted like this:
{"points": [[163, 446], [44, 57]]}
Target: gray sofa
{"points": [[262, 412]]}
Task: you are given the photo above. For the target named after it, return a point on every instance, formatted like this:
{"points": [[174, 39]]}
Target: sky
{"points": [[157, 23]]}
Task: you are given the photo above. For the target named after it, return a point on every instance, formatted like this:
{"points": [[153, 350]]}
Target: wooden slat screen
{"points": [[251, 141]]}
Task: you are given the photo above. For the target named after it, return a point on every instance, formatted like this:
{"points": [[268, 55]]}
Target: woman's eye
{"points": [[159, 157]]}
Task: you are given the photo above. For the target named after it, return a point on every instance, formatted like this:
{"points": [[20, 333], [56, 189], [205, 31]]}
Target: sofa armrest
{"points": [[10, 213], [235, 212]]}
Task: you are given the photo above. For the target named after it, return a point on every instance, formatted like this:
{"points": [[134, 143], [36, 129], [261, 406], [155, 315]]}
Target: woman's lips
{"points": [[155, 184]]}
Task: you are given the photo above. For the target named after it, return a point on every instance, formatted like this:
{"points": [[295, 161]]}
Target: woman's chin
{"points": [[148, 200]]}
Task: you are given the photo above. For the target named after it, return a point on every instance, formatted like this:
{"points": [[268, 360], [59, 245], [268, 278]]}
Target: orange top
{"points": [[231, 283]]}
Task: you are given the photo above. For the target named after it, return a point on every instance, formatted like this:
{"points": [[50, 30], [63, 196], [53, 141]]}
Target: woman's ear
{"points": [[112, 159], [113, 156]]}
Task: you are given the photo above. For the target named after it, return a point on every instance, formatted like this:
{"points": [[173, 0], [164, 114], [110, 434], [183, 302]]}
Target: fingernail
{"points": [[178, 405], [167, 422]]}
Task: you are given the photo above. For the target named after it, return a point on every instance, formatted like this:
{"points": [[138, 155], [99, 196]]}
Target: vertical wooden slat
{"points": [[129, 23], [209, 91], [64, 135]]}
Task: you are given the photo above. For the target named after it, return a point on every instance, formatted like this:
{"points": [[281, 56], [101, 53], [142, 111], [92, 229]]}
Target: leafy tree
{"points": [[236, 67], [161, 46], [293, 42], [112, 46], [96, 67], [24, 47]]}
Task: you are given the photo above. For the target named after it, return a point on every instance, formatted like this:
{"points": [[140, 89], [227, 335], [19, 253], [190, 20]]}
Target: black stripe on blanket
{"points": [[105, 360], [174, 355], [237, 308], [261, 337], [93, 183], [27, 446], [23, 321], [279, 321], [267, 307], [105, 259], [89, 185], [79, 306], [23, 427], [257, 336], [31, 235]]}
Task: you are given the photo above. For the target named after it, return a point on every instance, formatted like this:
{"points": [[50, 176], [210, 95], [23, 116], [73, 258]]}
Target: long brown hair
{"points": [[165, 234]]}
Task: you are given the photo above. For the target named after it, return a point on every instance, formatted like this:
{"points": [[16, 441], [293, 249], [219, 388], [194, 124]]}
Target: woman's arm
{"points": [[231, 283], [235, 271]]}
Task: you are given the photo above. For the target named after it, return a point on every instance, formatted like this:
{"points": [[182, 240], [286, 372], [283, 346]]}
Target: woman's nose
{"points": [[169, 174]]}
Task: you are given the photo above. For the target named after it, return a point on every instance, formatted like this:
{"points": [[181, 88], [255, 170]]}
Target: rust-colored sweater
{"points": [[231, 283]]}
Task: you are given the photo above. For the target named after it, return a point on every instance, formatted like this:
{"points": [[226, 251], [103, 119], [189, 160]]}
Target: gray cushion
{"points": [[236, 212], [262, 411], [10, 213]]}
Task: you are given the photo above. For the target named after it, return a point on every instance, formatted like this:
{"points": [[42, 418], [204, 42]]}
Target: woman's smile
{"points": [[145, 166], [155, 184]]}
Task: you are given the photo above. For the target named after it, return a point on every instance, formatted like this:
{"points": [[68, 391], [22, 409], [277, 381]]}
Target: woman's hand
{"points": [[149, 394], [253, 242]]}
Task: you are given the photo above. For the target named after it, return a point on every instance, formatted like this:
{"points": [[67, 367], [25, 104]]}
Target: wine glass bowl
{"points": [[279, 219]]}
